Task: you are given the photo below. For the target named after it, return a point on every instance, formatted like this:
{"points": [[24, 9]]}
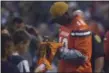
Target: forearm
{"points": [[99, 63], [72, 55]]}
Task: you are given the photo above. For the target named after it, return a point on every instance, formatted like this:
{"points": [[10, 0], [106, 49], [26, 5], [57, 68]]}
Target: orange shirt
{"points": [[71, 37]]}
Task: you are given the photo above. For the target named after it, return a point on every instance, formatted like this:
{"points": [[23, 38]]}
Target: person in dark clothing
{"points": [[6, 66], [20, 24], [97, 54], [35, 40], [21, 41], [34, 45], [4, 30]]}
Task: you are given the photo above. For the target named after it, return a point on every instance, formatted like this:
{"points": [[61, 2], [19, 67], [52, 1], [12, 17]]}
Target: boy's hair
{"points": [[17, 20], [20, 36], [5, 41]]}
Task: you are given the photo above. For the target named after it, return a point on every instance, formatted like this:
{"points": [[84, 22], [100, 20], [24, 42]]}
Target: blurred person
{"points": [[47, 52], [6, 51], [76, 37], [4, 15], [18, 22], [4, 30], [21, 41], [106, 50], [97, 53], [35, 37], [97, 41], [97, 46], [34, 44]]}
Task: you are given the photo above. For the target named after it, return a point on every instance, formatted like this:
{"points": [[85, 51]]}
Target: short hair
{"points": [[17, 20], [20, 36], [5, 40]]}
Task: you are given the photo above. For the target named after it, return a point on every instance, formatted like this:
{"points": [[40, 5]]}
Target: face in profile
{"points": [[62, 20]]}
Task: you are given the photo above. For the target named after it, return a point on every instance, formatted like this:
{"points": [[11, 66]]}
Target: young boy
{"points": [[21, 42], [6, 47]]}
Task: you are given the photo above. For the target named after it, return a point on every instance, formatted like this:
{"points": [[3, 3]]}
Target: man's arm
{"points": [[99, 63], [72, 55], [98, 53]]}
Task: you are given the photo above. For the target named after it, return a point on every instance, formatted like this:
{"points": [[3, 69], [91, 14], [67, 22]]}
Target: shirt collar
{"points": [[15, 53]]}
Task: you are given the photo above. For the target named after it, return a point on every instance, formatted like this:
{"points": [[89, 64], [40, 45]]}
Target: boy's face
{"points": [[23, 46]]}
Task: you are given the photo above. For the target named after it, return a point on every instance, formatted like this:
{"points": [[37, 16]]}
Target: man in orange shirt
{"points": [[75, 35]]}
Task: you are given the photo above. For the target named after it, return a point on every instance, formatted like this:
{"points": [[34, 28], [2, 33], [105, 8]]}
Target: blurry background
{"points": [[36, 13]]}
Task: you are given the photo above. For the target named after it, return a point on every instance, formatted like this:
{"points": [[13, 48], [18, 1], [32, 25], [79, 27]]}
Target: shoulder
{"points": [[8, 67], [15, 59]]}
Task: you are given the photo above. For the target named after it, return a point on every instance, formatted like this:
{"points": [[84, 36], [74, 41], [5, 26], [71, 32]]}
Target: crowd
{"points": [[20, 42]]}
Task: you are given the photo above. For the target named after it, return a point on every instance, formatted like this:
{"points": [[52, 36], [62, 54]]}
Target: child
{"points": [[6, 47], [21, 42]]}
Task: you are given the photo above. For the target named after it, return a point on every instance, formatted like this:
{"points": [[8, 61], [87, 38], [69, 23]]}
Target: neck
{"points": [[17, 50]]}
